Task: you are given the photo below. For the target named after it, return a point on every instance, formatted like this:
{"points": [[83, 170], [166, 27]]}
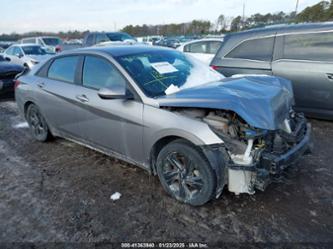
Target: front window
{"points": [[119, 36], [156, 72], [33, 50], [10, 51], [99, 73], [52, 41]]}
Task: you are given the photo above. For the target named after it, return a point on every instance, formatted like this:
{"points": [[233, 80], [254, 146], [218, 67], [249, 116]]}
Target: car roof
{"points": [[283, 29], [233, 39], [103, 32], [203, 40], [121, 50], [26, 45]]}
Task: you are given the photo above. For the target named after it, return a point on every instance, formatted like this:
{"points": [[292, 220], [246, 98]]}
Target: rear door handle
{"points": [[330, 76], [82, 98], [41, 85]]}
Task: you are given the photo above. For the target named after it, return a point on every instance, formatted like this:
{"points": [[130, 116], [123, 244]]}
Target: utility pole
{"points": [[243, 17], [297, 3]]}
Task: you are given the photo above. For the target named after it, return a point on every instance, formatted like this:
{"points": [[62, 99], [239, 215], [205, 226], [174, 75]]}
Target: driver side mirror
{"points": [[115, 92], [19, 55]]}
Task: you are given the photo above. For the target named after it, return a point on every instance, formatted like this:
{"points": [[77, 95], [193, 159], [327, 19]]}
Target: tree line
{"points": [[323, 11]]}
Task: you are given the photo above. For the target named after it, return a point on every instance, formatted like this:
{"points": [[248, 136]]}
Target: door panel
{"points": [[56, 95], [113, 124], [312, 82], [58, 103], [110, 124]]}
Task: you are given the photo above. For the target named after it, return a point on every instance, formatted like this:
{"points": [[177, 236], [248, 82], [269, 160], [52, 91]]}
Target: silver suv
{"points": [[169, 114]]}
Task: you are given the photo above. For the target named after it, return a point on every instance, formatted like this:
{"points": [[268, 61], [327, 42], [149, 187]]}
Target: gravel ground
{"points": [[60, 192]]}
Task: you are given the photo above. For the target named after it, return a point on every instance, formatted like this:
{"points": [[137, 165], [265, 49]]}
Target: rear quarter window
{"points": [[63, 69], [316, 47], [255, 49]]}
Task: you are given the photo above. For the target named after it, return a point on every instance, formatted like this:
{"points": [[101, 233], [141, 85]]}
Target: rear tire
{"points": [[37, 124], [185, 173]]}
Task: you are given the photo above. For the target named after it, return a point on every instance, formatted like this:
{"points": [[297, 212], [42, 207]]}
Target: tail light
{"points": [[216, 67], [16, 84], [58, 48]]}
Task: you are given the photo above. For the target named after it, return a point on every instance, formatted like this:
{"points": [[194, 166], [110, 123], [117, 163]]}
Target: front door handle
{"points": [[330, 76], [41, 85], [82, 98]]}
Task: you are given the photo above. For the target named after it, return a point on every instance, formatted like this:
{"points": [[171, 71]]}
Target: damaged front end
{"points": [[250, 158], [256, 156]]}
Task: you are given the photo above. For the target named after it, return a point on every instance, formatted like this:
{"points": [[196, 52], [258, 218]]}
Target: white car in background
{"points": [[51, 44], [26, 55], [203, 49]]}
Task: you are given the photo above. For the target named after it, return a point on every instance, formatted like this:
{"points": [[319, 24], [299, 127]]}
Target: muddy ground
{"points": [[60, 192]]}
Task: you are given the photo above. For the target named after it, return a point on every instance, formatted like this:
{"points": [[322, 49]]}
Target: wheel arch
{"points": [[215, 154], [26, 105]]}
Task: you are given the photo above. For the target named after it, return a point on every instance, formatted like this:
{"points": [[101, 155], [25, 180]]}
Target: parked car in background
{"points": [[8, 71], [107, 38], [51, 44], [73, 42], [203, 49], [168, 113], [150, 40], [169, 42], [302, 53], [4, 45], [26, 55]]}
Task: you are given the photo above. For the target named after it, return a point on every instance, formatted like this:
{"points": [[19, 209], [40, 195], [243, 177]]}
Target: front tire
{"points": [[37, 124], [185, 173]]}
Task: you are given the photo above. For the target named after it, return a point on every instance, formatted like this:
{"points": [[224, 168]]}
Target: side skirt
{"points": [[101, 150]]}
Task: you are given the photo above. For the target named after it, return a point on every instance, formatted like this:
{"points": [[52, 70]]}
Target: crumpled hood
{"points": [[6, 67], [262, 101]]}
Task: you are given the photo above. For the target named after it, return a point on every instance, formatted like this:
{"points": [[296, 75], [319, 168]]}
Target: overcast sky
{"points": [[62, 15]]}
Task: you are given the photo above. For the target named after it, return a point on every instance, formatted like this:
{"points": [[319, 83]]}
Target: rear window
{"points": [[214, 46], [255, 49], [90, 40], [33, 50], [52, 41], [119, 36], [197, 47], [63, 69], [29, 40], [317, 47]]}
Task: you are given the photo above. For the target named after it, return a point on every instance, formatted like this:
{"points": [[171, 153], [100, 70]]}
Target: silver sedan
{"points": [[169, 114]]}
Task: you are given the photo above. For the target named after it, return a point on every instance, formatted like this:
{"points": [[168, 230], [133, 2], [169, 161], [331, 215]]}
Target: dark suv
{"points": [[301, 53], [94, 38]]}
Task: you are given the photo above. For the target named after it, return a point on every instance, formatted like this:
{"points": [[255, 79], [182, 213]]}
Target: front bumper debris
{"points": [[270, 165]]}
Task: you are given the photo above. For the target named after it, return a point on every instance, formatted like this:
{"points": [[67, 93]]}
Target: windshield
{"points": [[119, 36], [33, 50], [52, 41], [163, 72]]}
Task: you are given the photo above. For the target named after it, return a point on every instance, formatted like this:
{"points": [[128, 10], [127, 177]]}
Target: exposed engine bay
{"points": [[251, 151]]}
